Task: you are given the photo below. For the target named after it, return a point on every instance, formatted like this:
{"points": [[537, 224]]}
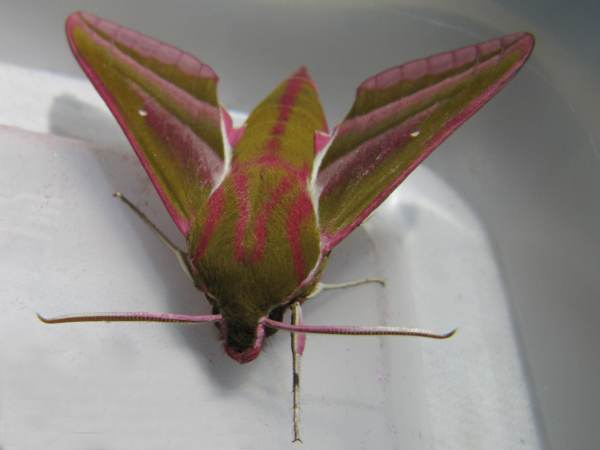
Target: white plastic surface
{"points": [[506, 247], [68, 246]]}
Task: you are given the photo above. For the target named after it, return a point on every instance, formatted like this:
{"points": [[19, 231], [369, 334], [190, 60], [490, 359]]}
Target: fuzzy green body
{"points": [[255, 244], [256, 239]]}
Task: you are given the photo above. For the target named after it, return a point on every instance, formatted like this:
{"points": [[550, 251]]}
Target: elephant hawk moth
{"points": [[261, 206]]}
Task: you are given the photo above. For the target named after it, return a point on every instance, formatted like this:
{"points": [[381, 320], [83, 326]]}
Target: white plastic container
{"points": [[496, 235]]}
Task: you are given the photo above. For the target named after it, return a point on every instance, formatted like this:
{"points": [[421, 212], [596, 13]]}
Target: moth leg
{"points": [[179, 254], [298, 343], [320, 287]]}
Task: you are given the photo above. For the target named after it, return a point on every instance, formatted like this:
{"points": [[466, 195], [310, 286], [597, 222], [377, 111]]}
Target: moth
{"points": [[261, 206]]}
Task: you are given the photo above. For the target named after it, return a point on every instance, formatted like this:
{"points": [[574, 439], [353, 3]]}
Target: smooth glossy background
{"points": [[498, 235]]}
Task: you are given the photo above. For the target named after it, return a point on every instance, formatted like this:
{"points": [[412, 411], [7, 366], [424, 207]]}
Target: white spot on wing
{"points": [[142, 112]]}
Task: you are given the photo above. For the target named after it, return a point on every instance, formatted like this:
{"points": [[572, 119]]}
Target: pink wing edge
{"points": [[525, 40], [77, 19]]}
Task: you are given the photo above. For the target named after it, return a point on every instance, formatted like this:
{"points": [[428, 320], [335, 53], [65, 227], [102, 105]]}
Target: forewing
{"points": [[398, 118], [166, 103]]}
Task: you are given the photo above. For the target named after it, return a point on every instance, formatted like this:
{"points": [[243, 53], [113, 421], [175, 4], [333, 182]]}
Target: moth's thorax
{"points": [[253, 243]]}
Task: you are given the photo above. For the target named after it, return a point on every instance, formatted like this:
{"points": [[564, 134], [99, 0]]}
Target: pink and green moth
{"points": [[262, 206]]}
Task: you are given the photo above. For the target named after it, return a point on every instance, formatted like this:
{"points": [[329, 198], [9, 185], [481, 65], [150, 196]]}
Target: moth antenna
{"points": [[132, 317], [356, 330]]}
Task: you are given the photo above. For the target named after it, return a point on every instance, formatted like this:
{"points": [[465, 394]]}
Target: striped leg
{"points": [[320, 287], [179, 254], [298, 342]]}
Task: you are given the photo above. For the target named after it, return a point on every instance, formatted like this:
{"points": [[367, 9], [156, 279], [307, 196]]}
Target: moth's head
{"points": [[243, 342], [243, 327]]}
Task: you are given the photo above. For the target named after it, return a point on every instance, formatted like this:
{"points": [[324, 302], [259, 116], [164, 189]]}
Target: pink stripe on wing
{"points": [[188, 148], [365, 122], [435, 64], [368, 156], [523, 42], [149, 47]]}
